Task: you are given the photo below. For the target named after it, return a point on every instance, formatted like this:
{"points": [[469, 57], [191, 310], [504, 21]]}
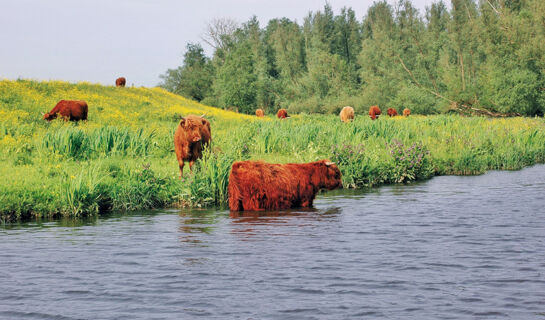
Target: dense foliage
{"points": [[483, 53], [122, 158]]}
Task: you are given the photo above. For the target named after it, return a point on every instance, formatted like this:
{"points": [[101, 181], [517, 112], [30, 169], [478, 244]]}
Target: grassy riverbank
{"points": [[123, 157]]}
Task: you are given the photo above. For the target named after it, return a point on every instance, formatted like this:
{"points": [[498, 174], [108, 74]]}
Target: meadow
{"points": [[122, 158]]}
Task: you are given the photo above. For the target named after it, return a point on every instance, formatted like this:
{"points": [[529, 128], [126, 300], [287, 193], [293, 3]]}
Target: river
{"points": [[448, 248]]}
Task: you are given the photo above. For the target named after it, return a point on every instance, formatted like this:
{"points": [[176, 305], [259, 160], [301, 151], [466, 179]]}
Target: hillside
{"points": [[49, 167], [27, 100]]}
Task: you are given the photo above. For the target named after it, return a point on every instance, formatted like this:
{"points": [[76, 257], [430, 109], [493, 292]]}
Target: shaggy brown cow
{"points": [[392, 112], [282, 114], [191, 135], [120, 82], [374, 112], [347, 114], [257, 186], [406, 112], [73, 110], [260, 113]]}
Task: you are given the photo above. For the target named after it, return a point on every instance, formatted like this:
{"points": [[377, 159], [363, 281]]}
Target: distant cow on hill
{"points": [[260, 113], [392, 112], [282, 114], [256, 185], [406, 112], [192, 134], [347, 114], [374, 112], [73, 110], [120, 82]]}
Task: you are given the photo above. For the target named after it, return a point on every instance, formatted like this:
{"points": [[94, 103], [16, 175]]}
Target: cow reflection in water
{"points": [[254, 223]]}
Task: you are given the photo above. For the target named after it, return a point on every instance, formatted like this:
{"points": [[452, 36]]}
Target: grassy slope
{"points": [[58, 167], [122, 158]]}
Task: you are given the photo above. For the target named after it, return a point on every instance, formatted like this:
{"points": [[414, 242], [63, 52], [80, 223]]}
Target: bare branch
{"points": [[218, 30]]}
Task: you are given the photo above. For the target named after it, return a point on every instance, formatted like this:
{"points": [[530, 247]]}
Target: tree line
{"points": [[487, 54]]}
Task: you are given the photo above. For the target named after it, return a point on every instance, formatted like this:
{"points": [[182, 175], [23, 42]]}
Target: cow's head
{"points": [[49, 116], [193, 129], [331, 178]]}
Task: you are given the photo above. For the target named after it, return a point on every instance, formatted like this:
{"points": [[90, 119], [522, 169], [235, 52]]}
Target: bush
{"points": [[210, 179], [410, 163]]}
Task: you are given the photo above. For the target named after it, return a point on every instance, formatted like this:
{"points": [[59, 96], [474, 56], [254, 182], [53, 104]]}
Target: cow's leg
{"points": [[191, 165], [305, 203], [250, 204], [181, 165]]}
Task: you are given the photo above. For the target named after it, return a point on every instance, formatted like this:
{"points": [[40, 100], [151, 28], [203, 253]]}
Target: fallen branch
{"points": [[470, 110]]}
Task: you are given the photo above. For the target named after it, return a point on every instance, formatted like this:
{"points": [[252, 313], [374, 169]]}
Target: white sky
{"points": [[99, 40]]}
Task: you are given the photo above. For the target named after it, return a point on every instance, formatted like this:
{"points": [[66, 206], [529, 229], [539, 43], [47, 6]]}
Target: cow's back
{"points": [[282, 114], [73, 110], [347, 114], [120, 82], [79, 110], [392, 112], [256, 185]]}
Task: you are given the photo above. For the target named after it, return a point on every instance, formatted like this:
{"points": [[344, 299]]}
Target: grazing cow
{"points": [[120, 82], [191, 135], [73, 110], [374, 112], [260, 113], [257, 186], [347, 114], [406, 112], [392, 112], [282, 114]]}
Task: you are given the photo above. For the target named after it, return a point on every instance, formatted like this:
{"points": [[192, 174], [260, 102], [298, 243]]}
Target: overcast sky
{"points": [[99, 40]]}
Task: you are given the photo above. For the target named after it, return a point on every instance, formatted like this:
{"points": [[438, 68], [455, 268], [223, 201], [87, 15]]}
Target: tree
{"points": [[235, 83], [192, 80]]}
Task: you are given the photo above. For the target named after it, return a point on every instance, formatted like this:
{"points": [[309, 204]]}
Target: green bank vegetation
{"points": [[123, 157]]}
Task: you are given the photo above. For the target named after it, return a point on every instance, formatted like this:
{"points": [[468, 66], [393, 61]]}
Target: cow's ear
{"points": [[182, 122]]}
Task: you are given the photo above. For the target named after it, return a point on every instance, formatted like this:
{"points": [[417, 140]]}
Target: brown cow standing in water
{"points": [[120, 82], [260, 113], [347, 114], [391, 112], [73, 110], [257, 186], [192, 134], [282, 114], [374, 112]]}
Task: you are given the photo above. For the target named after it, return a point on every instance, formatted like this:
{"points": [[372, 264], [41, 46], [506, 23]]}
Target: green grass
{"points": [[123, 159]]}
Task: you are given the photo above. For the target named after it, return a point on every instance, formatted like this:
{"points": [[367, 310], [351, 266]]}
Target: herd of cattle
{"points": [[253, 185]]}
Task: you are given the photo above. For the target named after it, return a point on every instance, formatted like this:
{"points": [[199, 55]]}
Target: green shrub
{"points": [[410, 163]]}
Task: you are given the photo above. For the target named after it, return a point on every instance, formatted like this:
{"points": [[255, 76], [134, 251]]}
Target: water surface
{"points": [[448, 248]]}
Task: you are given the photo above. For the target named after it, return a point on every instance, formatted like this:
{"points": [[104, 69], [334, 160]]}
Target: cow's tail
{"points": [[235, 196]]}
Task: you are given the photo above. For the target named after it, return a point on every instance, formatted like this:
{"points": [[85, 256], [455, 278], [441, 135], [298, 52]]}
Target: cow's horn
{"points": [[203, 115], [328, 163]]}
